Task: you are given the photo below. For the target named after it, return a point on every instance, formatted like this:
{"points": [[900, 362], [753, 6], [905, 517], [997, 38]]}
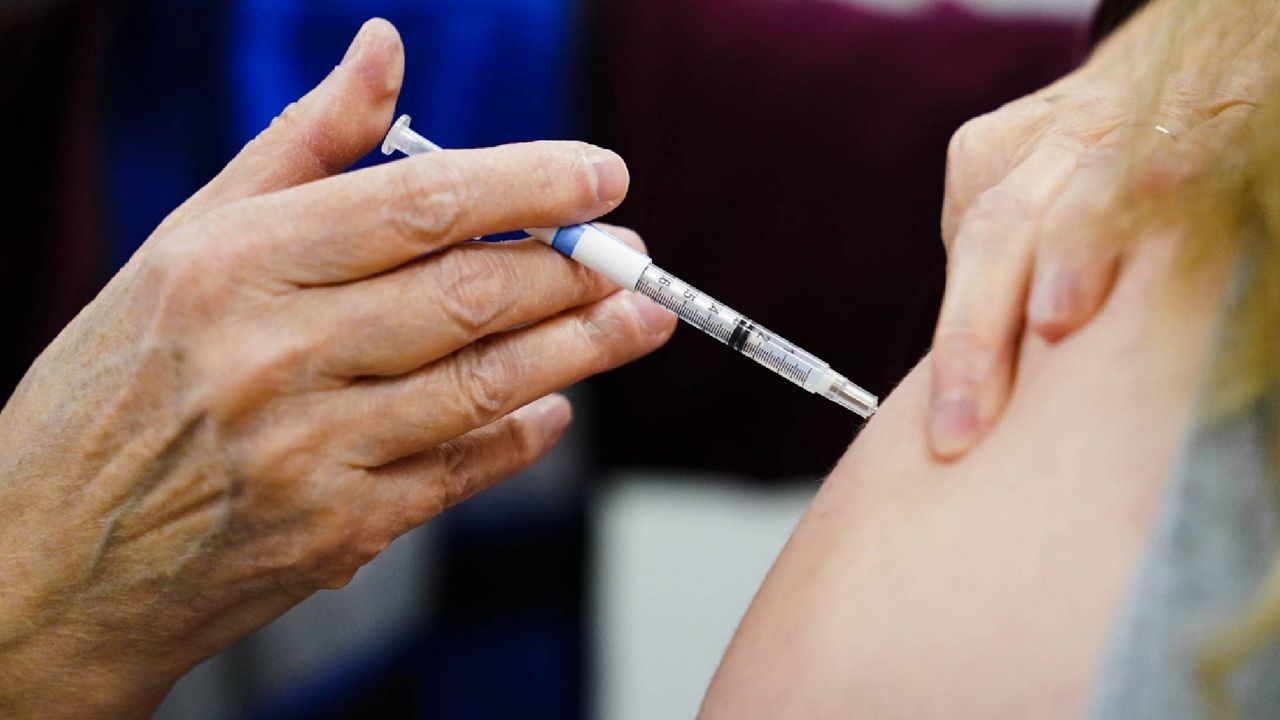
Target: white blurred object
{"points": [[677, 559], [1049, 9]]}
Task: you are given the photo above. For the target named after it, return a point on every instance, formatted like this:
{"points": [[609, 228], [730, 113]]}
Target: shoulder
{"points": [[983, 588]]}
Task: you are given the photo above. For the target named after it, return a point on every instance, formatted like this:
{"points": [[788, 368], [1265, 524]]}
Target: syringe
{"points": [[597, 249]]}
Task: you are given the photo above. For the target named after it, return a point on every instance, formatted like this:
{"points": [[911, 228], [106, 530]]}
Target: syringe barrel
{"points": [[741, 334], [729, 326]]}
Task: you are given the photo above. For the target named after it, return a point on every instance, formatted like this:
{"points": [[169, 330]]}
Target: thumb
{"points": [[331, 127]]}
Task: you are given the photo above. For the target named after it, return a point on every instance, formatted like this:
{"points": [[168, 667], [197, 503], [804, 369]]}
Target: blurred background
{"points": [[787, 156]]}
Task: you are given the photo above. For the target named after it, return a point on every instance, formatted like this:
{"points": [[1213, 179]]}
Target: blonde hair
{"points": [[1242, 196], [1229, 209]]}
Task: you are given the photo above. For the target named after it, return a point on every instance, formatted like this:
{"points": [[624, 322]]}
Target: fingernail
{"points": [[552, 412], [1053, 296], [611, 176], [954, 423], [357, 44], [653, 318]]}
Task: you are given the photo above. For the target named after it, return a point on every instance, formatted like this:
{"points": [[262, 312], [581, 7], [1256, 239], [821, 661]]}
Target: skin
{"points": [[983, 588], [296, 368], [1029, 185]]}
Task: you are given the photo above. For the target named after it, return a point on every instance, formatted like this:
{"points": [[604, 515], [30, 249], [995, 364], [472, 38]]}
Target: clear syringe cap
{"points": [[403, 139]]}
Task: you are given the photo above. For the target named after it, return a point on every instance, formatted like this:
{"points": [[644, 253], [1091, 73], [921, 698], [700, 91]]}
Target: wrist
{"points": [[74, 672]]}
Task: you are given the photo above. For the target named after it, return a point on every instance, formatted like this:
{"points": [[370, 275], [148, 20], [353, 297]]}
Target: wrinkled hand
{"points": [[296, 368], [1029, 187]]}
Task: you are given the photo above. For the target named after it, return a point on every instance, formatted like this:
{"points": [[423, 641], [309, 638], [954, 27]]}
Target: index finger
{"points": [[364, 223], [987, 274]]}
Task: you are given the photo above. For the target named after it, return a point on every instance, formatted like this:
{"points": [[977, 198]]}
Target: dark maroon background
{"points": [[788, 158]]}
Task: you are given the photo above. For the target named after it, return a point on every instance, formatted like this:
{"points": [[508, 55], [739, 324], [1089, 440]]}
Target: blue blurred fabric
{"points": [[191, 81], [196, 79]]}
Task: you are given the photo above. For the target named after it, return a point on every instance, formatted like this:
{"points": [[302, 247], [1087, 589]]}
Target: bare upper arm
{"points": [[982, 588]]}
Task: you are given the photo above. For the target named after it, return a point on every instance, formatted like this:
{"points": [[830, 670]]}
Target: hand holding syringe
{"points": [[633, 270]]}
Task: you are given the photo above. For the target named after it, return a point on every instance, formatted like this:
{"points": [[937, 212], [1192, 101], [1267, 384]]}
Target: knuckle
{"points": [[1162, 174], [184, 277], [961, 142], [1000, 204], [973, 139], [1077, 218], [429, 201], [290, 116], [174, 262], [520, 440], [259, 365], [999, 134], [273, 367], [296, 584], [289, 122], [590, 283], [337, 578], [956, 336], [601, 338], [486, 376], [276, 459], [466, 464], [457, 471], [577, 281], [428, 501], [984, 225], [363, 547], [477, 288], [335, 568], [346, 540]]}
